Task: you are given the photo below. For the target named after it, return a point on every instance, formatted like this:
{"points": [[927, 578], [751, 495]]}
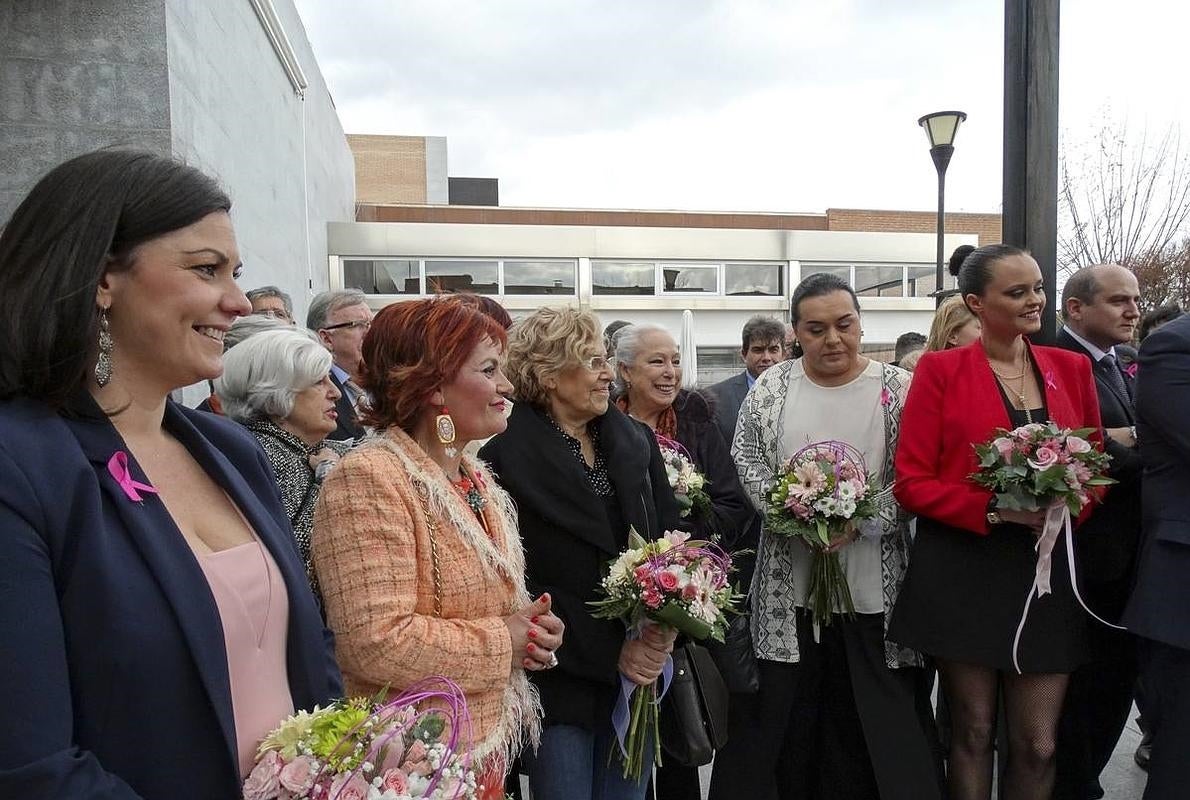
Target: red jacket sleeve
{"points": [[930, 481]]}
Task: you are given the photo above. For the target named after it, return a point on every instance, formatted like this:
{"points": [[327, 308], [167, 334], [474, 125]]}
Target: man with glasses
{"points": [[270, 301], [341, 318]]}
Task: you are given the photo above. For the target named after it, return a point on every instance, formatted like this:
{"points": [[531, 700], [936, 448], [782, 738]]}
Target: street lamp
{"points": [[941, 127]]}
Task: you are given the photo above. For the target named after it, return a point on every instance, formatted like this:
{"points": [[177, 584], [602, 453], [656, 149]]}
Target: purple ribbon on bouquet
{"points": [[1057, 518], [622, 714]]}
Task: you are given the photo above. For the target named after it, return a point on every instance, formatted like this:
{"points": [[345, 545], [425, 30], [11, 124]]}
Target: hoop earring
{"points": [[444, 426], [103, 366]]}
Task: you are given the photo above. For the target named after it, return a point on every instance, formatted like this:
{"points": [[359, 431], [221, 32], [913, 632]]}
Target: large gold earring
{"points": [[103, 366], [444, 426]]}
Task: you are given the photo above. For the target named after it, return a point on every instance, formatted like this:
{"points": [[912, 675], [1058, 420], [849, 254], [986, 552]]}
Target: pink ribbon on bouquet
{"points": [[117, 465], [1057, 518]]}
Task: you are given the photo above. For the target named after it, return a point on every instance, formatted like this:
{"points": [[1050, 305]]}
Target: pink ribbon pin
{"points": [[885, 397], [1130, 370], [117, 465], [1049, 381]]}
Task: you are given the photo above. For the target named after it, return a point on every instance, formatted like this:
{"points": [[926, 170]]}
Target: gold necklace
{"points": [[1020, 393]]}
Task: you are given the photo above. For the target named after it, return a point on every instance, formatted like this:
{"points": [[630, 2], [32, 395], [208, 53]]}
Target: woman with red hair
{"points": [[416, 547]]}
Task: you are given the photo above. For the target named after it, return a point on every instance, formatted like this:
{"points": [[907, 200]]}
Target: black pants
{"points": [[1098, 702], [805, 739], [1166, 673]]}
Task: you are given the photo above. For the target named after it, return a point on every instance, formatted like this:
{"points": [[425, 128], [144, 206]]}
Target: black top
{"points": [[571, 533]]}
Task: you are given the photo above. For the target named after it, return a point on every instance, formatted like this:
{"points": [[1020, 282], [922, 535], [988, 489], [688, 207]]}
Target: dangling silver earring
{"points": [[103, 367]]}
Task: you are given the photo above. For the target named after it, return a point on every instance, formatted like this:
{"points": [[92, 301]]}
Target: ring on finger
{"points": [[553, 662]]}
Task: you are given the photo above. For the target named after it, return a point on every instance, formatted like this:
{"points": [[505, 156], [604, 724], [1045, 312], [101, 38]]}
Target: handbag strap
{"points": [[423, 494]]}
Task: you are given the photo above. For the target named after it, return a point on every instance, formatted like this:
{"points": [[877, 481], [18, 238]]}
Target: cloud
{"points": [[707, 104]]}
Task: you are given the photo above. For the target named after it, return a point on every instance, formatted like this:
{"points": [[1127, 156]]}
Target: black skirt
{"points": [[964, 594]]}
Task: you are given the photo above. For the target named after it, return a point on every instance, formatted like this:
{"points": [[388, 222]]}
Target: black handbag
{"points": [[735, 657], [693, 716]]}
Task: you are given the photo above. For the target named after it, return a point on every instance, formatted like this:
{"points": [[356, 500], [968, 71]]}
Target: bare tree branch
{"points": [[1126, 200]]}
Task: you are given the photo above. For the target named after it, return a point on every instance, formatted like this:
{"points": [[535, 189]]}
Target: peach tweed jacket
{"points": [[371, 552]]}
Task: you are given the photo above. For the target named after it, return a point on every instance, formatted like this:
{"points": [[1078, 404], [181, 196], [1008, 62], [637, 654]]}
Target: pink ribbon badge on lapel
{"points": [[1049, 381], [117, 465], [885, 397], [1130, 370]]}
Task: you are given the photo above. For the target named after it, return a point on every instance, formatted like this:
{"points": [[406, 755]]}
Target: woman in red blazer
{"points": [[972, 564]]}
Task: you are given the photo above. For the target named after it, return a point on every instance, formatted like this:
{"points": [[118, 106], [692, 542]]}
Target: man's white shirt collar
{"points": [[1095, 352]]}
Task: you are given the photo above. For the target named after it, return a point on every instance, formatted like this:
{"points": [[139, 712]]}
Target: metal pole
{"points": [[940, 272], [941, 155], [1030, 216]]}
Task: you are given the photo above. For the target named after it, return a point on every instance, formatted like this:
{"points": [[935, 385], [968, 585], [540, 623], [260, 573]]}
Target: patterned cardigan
{"points": [[756, 453], [414, 586]]}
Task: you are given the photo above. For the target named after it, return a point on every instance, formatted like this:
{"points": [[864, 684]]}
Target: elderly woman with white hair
{"points": [[277, 384]]}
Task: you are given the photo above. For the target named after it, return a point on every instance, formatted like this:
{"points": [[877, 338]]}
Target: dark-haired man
{"points": [[763, 346], [1100, 312], [906, 344]]}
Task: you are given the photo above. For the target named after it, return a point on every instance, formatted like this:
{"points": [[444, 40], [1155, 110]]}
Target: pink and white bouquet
{"points": [[361, 749], [688, 484], [1039, 465], [822, 490], [673, 581]]}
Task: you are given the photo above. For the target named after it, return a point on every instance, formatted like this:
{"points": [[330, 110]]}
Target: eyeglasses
{"points": [[357, 324], [274, 313], [596, 363]]}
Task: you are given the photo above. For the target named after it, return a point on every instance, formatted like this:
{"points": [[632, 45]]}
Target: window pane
{"points": [[381, 276], [878, 281], [688, 278], [922, 281], [444, 277], [539, 277], [842, 273], [753, 279], [622, 277]]}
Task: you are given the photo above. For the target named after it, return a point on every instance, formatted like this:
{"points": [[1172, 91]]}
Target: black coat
{"points": [[569, 543], [1160, 605], [1107, 540], [732, 517]]}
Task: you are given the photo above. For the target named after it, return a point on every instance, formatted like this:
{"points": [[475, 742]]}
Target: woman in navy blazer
{"points": [[117, 273], [972, 564]]}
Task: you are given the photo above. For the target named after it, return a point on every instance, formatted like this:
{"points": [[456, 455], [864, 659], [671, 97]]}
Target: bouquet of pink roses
{"points": [[1043, 466], [822, 489], [359, 749], [1040, 464], [675, 582]]}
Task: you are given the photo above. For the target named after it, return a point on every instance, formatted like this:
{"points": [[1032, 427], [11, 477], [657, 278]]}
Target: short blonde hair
{"points": [[952, 315], [544, 344]]}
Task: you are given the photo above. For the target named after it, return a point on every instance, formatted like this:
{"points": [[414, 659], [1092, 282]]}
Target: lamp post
{"points": [[941, 127]]}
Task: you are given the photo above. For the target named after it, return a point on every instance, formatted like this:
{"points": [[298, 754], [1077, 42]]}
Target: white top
{"points": [[849, 413]]}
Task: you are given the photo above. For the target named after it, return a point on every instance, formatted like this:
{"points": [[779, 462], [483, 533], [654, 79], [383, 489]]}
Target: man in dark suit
{"points": [[340, 319], [763, 346], [1159, 609], [1099, 307]]}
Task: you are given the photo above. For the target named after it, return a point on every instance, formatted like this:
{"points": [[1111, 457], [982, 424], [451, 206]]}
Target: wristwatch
{"points": [[993, 516]]}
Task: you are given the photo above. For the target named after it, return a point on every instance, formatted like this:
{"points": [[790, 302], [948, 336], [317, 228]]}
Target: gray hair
{"points": [[262, 376], [326, 303], [261, 292], [628, 346], [245, 327]]}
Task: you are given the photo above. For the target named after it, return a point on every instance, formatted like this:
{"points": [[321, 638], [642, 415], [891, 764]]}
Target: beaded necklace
{"points": [[468, 489]]}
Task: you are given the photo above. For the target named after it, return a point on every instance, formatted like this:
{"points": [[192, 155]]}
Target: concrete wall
{"points": [[282, 157], [76, 75]]}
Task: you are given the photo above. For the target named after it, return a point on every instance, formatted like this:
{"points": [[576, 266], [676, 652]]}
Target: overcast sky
{"points": [[789, 105]]}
